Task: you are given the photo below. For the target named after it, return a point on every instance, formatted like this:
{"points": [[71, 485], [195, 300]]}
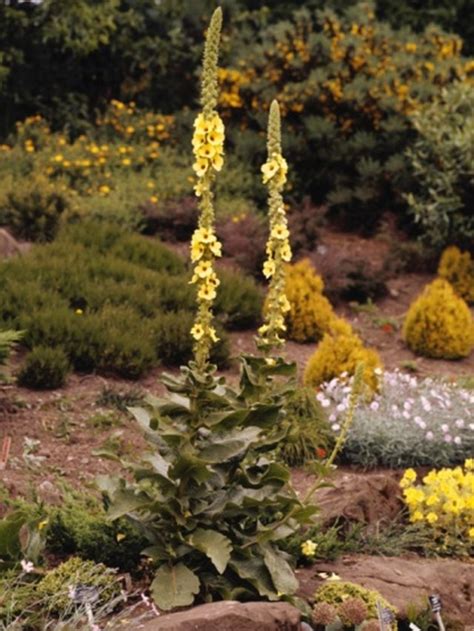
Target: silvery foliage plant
{"points": [[410, 422]]}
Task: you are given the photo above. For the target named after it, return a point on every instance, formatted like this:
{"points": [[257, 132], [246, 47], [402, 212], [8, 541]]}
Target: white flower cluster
{"points": [[411, 422]]}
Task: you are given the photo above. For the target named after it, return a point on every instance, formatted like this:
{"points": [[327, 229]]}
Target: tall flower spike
{"points": [[278, 246], [208, 149]]}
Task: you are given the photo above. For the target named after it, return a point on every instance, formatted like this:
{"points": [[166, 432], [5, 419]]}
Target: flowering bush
{"points": [[340, 351], [458, 269], [348, 86], [439, 324], [444, 503], [310, 314], [410, 422]]}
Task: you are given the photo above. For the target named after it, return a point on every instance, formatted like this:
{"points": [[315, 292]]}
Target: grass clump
{"points": [[45, 368]]}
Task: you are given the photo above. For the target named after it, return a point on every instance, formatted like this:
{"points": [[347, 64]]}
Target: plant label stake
{"points": [[413, 627], [435, 602], [385, 616], [4, 454]]}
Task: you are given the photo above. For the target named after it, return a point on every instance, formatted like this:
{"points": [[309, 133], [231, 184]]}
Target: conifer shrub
{"points": [[439, 324], [458, 269], [7, 341], [45, 368], [311, 313], [340, 351]]}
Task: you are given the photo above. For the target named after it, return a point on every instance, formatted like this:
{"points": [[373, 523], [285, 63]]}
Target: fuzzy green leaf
{"points": [[174, 586], [215, 545], [282, 575]]}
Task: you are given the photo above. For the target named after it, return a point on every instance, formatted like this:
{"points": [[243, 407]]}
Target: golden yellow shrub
{"points": [[439, 324], [310, 313], [341, 350], [458, 269]]}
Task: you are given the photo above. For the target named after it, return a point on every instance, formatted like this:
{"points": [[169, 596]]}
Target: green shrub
{"points": [[114, 302], [309, 436], [239, 300], [80, 527], [7, 340], [45, 368], [442, 159], [174, 344], [33, 210]]}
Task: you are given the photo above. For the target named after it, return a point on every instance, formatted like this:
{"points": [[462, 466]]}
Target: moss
{"points": [[341, 350], [439, 324], [311, 313], [458, 269], [337, 592]]}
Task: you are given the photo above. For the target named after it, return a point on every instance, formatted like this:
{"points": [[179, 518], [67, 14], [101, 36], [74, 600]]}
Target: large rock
{"points": [[230, 616], [403, 581]]}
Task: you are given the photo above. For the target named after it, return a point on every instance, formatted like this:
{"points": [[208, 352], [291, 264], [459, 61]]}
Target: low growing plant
{"points": [[410, 422], [444, 504]]}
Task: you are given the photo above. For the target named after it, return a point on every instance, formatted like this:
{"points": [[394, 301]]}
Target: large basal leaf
{"points": [[215, 545], [174, 586], [282, 574], [230, 445], [10, 526], [256, 573]]}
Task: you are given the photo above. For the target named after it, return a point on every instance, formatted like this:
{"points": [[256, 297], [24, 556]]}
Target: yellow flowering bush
{"points": [[444, 503], [274, 172], [310, 313], [458, 269], [340, 351], [347, 85], [439, 324]]}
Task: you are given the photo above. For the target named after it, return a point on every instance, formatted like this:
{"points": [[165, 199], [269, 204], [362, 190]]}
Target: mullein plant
{"points": [[208, 148], [278, 249]]}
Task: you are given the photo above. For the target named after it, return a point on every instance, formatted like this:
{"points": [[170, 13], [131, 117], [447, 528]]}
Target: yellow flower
{"points": [[78, 311], [285, 252], [269, 169], [215, 138], [408, 478], [417, 516], [217, 162], [126, 162], [207, 292], [213, 334], [269, 268], [197, 331], [308, 548], [280, 231], [204, 269], [431, 518], [199, 188], [206, 151], [197, 251], [200, 167], [469, 464], [154, 199]]}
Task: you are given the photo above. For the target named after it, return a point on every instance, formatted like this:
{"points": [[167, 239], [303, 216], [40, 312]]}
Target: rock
{"points": [[366, 499], [9, 245], [230, 616], [49, 494], [404, 581]]}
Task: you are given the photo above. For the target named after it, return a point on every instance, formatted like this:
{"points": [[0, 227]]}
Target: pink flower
{"points": [[429, 435]]}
